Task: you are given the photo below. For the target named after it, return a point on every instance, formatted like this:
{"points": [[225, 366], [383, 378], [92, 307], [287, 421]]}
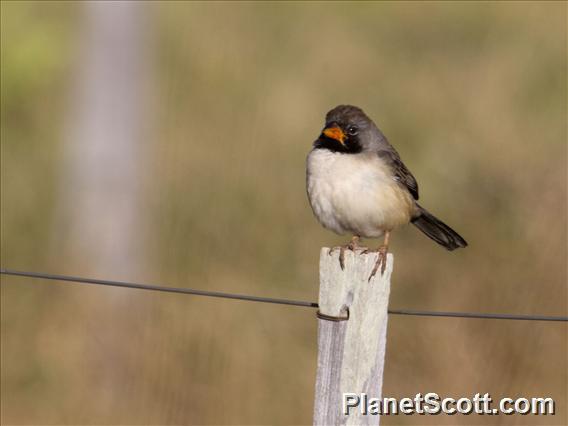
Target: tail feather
{"points": [[438, 230]]}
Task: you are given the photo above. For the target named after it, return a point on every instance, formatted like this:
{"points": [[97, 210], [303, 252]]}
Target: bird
{"points": [[357, 184]]}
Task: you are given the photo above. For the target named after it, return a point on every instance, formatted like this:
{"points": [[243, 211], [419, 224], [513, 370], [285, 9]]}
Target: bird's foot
{"points": [[381, 260], [353, 245]]}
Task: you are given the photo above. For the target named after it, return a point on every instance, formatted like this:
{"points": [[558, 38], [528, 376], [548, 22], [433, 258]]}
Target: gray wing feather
{"points": [[401, 173]]}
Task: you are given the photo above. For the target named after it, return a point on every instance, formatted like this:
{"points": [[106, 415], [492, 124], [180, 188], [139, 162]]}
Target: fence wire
{"points": [[301, 303]]}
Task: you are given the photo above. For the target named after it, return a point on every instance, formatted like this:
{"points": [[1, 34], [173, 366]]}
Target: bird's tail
{"points": [[438, 230]]}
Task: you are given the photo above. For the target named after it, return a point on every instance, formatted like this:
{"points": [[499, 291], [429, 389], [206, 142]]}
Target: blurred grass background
{"points": [[472, 95]]}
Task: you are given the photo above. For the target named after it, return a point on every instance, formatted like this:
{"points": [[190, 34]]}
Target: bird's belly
{"points": [[359, 197]]}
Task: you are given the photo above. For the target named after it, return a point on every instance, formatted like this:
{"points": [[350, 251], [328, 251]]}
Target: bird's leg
{"points": [[353, 245], [382, 259]]}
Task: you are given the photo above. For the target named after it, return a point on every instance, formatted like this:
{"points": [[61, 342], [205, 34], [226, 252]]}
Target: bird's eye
{"points": [[352, 130]]}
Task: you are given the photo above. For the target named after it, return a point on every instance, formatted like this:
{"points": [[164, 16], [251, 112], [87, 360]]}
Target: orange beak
{"points": [[335, 133]]}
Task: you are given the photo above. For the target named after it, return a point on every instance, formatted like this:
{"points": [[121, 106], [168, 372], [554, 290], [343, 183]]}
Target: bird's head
{"points": [[347, 129]]}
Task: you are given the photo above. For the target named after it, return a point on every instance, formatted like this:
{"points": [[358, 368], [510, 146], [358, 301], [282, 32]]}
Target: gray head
{"points": [[348, 129]]}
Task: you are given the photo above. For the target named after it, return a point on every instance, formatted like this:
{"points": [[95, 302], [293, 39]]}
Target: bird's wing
{"points": [[401, 173]]}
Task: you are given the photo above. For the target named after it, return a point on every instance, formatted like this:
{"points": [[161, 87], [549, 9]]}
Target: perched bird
{"points": [[357, 184]]}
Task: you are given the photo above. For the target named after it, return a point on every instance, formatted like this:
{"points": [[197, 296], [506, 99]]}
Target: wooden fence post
{"points": [[351, 353]]}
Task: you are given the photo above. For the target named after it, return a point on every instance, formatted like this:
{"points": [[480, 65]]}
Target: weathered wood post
{"points": [[352, 330]]}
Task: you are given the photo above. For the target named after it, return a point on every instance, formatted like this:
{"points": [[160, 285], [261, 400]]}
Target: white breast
{"points": [[355, 193]]}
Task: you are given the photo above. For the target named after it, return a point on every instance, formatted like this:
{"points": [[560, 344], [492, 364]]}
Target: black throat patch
{"points": [[351, 146]]}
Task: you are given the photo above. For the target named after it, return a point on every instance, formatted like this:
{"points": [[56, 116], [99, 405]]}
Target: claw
{"points": [[381, 261], [352, 245]]}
